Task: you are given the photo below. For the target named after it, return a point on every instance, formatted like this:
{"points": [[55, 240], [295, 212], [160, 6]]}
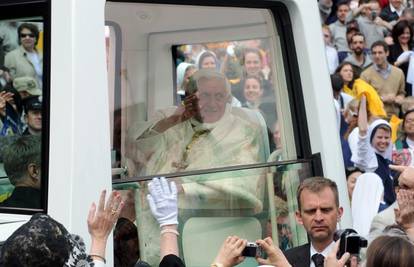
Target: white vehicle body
{"points": [[81, 92]]}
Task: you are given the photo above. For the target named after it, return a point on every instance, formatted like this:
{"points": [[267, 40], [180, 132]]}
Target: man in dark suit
{"points": [[318, 212], [393, 11], [22, 159]]}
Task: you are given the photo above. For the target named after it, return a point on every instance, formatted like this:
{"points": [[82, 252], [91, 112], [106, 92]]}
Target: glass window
{"points": [[158, 133], [204, 102], [21, 111], [252, 204]]}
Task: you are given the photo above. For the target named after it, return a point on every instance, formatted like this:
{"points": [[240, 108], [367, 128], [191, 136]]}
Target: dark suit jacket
{"points": [[299, 256]]}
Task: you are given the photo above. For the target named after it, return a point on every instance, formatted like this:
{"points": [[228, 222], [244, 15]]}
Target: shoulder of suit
{"points": [[296, 250]]}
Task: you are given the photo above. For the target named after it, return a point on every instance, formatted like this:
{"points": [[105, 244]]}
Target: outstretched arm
{"points": [[101, 220], [162, 199]]}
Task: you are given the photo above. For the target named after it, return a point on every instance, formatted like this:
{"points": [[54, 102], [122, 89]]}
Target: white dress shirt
{"points": [[325, 252]]}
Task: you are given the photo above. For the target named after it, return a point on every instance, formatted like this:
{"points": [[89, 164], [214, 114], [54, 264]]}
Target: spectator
{"points": [[162, 199], [184, 72], [27, 87], [252, 92], [388, 80], [10, 113], [44, 242], [339, 27], [385, 217], [358, 57], [331, 53], [8, 37], [22, 160], [5, 78], [340, 99], [385, 251], [26, 60], [408, 15], [407, 104], [370, 24], [351, 179], [374, 150], [404, 214], [404, 146], [208, 60], [325, 8], [367, 202], [402, 35], [126, 248], [252, 62], [390, 251], [33, 116], [355, 87], [393, 11], [319, 212]]}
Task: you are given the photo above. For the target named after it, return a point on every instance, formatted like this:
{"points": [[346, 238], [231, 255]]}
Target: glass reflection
{"points": [[21, 105], [252, 203]]}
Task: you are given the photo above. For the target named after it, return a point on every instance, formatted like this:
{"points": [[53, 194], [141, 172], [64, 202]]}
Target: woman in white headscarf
{"points": [[374, 150], [366, 201]]}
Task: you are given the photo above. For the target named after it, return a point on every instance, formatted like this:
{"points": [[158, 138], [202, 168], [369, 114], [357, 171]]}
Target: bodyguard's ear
{"points": [[340, 213], [33, 170]]}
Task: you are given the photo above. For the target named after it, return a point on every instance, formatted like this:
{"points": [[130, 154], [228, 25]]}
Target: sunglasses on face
{"points": [[23, 35]]}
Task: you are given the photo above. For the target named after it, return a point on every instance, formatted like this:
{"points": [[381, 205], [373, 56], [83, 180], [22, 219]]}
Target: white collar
{"points": [[410, 142], [324, 252], [393, 9]]}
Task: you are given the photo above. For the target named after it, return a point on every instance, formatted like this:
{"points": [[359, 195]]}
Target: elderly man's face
{"points": [[213, 98]]}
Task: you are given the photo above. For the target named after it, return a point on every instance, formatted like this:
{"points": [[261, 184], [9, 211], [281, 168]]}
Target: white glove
{"points": [[162, 200]]}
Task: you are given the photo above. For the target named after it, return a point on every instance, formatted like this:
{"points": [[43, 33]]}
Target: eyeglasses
{"points": [[23, 35]]}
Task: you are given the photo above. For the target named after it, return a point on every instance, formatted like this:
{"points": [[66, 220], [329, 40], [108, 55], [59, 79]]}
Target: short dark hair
{"points": [[356, 34], [387, 251], [342, 3], [31, 27], [19, 154], [399, 28], [380, 43], [336, 82], [316, 185]]}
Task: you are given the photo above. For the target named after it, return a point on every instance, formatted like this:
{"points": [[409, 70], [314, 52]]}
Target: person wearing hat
{"points": [[26, 60], [33, 116], [27, 87]]}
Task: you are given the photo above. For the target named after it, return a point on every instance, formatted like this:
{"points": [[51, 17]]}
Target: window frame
{"points": [[20, 9]]}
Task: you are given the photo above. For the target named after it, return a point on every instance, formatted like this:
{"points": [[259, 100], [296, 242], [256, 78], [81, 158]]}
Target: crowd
{"points": [[21, 74], [368, 46], [247, 65]]}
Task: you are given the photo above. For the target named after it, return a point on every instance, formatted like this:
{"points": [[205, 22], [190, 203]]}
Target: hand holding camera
{"points": [[275, 256], [230, 253]]}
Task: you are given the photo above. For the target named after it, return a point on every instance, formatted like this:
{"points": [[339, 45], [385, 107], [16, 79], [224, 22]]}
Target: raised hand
{"points": [[162, 199]]}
